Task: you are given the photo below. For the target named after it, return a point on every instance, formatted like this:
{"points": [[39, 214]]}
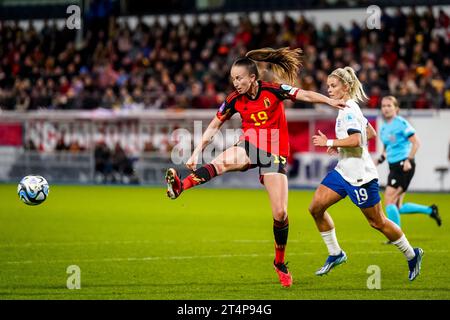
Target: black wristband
{"points": [[381, 158]]}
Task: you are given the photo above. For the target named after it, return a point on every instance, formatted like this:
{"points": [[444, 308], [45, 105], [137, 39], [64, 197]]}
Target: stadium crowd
{"points": [[181, 65]]}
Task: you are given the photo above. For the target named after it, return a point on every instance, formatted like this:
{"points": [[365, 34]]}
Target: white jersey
{"points": [[355, 164]]}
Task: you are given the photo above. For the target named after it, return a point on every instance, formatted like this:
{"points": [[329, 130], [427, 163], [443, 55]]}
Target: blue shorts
{"points": [[364, 196]]}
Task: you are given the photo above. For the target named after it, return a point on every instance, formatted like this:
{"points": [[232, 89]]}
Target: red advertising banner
{"points": [[301, 132], [136, 136], [11, 134]]}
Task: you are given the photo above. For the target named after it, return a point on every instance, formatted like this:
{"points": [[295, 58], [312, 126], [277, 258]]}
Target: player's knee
{"points": [[377, 224], [316, 210], [229, 166], [280, 213], [390, 200], [221, 167]]}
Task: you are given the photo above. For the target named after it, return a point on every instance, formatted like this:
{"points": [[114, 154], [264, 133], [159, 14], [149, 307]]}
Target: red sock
{"points": [[190, 181], [279, 254], [199, 176]]}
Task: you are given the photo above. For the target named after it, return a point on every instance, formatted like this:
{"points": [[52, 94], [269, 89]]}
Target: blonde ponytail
{"points": [[348, 77], [284, 62]]}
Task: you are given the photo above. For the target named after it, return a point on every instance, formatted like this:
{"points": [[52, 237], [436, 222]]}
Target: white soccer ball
{"points": [[33, 190]]}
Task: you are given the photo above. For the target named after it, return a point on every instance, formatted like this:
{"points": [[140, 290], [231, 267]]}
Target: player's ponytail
{"points": [[284, 62], [356, 89], [348, 77]]}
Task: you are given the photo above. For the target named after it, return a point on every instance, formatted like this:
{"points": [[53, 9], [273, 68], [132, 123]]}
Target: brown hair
{"points": [[249, 64], [394, 101], [284, 62]]}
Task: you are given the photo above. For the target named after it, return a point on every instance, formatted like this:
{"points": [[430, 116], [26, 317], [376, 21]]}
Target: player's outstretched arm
{"points": [[315, 97], [207, 137], [353, 140]]}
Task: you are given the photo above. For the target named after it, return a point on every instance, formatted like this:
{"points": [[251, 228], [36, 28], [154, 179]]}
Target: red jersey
{"points": [[263, 118]]}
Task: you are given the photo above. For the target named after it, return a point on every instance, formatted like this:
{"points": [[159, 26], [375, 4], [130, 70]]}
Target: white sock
{"points": [[329, 237], [403, 245]]}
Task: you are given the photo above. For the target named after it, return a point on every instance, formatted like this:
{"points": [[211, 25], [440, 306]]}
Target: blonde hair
{"points": [[348, 77], [284, 62], [394, 101]]}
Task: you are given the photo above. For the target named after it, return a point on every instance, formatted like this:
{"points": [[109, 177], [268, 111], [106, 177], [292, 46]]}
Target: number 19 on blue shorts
{"points": [[364, 196]]}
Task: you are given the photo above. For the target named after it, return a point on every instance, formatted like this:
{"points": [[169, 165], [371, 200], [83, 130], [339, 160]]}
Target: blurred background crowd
{"points": [[186, 65]]}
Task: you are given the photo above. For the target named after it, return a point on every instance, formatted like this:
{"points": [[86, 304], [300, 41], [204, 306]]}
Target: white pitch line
{"points": [[306, 241], [221, 256], [135, 242], [80, 243], [137, 259]]}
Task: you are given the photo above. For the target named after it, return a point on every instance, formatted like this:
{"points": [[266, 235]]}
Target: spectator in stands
{"points": [[61, 144], [103, 164], [122, 166], [171, 66]]}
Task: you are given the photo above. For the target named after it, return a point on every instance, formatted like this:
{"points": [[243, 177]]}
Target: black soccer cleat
{"points": [[435, 215]]}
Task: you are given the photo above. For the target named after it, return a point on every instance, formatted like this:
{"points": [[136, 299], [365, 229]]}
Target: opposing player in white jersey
{"points": [[355, 175]]}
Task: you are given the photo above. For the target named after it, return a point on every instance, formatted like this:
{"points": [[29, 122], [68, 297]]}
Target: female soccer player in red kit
{"points": [[264, 142]]}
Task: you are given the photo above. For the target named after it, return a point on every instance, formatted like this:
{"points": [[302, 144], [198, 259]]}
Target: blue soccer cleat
{"points": [[332, 261], [415, 263]]}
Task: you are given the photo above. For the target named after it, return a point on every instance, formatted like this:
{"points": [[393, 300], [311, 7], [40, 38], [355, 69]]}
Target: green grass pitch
{"points": [[135, 243]]}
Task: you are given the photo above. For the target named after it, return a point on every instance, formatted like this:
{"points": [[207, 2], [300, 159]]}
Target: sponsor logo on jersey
{"points": [[349, 117], [222, 107], [266, 102]]}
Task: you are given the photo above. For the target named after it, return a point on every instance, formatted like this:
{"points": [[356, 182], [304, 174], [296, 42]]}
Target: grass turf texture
{"points": [[135, 243]]}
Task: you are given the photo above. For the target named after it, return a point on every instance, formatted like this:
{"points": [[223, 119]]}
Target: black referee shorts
{"points": [[399, 178]]}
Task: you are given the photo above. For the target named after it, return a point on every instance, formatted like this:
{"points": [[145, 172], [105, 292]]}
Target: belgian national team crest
{"points": [[266, 102]]}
